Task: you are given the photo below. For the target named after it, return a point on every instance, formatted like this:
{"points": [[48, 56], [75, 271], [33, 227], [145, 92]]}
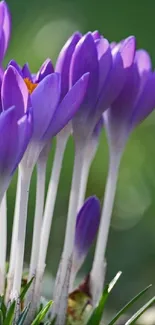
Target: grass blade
{"points": [[42, 314], [128, 305], [26, 288], [23, 315], [98, 312], [10, 314], [133, 319]]}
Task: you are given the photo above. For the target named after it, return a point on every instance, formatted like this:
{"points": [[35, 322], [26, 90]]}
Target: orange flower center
{"points": [[30, 85]]}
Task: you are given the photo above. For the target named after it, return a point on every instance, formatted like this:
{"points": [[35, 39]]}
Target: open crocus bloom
{"points": [[45, 69], [50, 113]]}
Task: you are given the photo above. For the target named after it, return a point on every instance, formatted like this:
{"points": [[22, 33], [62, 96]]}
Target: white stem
{"points": [[25, 177], [41, 176], [84, 180], [63, 275], [48, 213], [3, 242], [99, 258], [88, 158], [10, 275]]}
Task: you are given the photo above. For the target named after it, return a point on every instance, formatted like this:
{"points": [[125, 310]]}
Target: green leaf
{"points": [[133, 319], [1, 317], [42, 314], [128, 305], [26, 287], [10, 314], [98, 312], [23, 315], [3, 307]]}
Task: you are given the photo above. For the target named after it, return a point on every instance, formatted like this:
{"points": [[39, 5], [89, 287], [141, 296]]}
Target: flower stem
{"points": [[88, 158], [63, 275], [10, 275], [97, 279], [25, 178], [40, 194], [48, 214], [3, 242]]}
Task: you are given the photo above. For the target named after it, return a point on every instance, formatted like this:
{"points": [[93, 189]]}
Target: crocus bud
{"points": [[87, 224]]}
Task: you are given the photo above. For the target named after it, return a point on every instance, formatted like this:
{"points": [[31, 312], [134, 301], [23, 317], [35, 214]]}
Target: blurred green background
{"points": [[40, 28]]}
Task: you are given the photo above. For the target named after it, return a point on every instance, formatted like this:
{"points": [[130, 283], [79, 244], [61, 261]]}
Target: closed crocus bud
{"points": [[106, 66], [135, 102], [87, 224]]}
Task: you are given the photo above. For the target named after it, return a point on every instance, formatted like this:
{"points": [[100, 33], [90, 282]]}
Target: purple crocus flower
{"points": [[15, 136], [108, 71], [50, 114], [135, 102], [45, 70], [15, 123], [64, 60], [5, 29], [87, 224]]}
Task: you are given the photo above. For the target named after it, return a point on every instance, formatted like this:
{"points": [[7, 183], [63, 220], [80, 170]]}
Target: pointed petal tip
{"points": [[11, 68], [45, 70], [127, 51], [143, 60], [87, 39]]}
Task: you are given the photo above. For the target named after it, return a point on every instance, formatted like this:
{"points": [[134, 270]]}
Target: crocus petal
{"points": [[144, 65], [146, 101], [14, 64], [8, 140], [45, 70], [64, 60], [2, 40], [44, 101], [85, 59], [96, 35], [26, 71], [122, 108], [25, 130], [87, 224], [2, 13], [127, 50], [14, 92], [113, 44], [6, 26], [123, 57], [68, 107], [2, 44], [143, 61], [105, 61]]}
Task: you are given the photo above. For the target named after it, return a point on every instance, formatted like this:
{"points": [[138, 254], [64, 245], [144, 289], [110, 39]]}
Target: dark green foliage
{"points": [[7, 314]]}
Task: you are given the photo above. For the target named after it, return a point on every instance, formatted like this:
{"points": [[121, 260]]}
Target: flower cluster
{"points": [[94, 84]]}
